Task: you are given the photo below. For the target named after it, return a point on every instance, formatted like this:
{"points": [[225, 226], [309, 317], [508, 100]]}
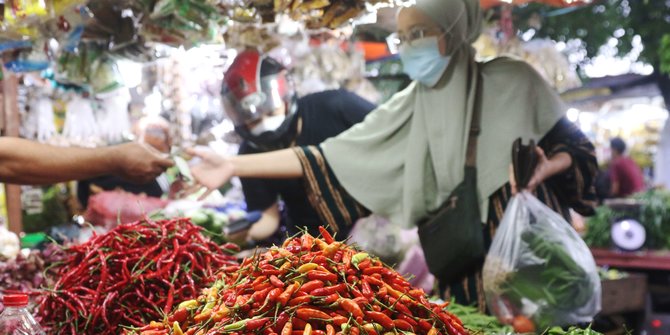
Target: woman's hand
{"points": [[212, 172], [545, 169]]}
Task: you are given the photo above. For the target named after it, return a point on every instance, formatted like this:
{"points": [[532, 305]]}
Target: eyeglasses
{"points": [[395, 40]]}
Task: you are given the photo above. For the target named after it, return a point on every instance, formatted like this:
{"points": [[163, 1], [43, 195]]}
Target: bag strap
{"points": [[475, 125]]}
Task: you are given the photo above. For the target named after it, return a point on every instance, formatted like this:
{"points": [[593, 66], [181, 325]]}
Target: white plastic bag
{"points": [[539, 267], [380, 237]]}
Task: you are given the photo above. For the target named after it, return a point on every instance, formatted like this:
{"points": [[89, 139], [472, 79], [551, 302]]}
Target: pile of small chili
{"points": [[129, 276], [309, 286]]}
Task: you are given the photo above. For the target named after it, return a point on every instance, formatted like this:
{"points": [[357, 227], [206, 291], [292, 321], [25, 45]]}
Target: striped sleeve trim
{"points": [[334, 206]]}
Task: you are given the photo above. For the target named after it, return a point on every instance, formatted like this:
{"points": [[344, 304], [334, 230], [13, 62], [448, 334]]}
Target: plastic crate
{"points": [[624, 295]]}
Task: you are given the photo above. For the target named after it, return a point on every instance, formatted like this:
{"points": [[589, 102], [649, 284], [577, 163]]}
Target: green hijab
{"points": [[408, 155]]}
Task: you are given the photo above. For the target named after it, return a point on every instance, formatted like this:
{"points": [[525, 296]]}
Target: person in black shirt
{"points": [[259, 98]]}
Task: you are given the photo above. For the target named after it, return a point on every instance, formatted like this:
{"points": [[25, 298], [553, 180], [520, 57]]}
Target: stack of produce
{"points": [[309, 286], [133, 274]]}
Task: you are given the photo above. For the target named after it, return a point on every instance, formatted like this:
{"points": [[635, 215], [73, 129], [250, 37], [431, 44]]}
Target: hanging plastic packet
{"points": [[46, 125], [113, 117], [80, 124], [30, 61], [105, 76], [14, 45]]}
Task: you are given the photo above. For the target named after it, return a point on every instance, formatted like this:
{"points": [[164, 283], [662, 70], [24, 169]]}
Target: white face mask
{"points": [[271, 123]]}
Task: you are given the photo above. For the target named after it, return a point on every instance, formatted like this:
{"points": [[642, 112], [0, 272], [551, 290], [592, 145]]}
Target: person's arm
{"points": [[575, 185], [548, 167], [214, 171], [267, 225], [26, 162]]}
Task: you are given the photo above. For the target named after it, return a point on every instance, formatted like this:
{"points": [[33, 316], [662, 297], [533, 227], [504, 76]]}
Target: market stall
{"points": [[98, 73]]}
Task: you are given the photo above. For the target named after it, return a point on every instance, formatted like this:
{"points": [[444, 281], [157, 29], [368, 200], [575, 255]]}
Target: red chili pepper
{"points": [[366, 289], [281, 321], [320, 275], [381, 319], [273, 295], [299, 323], [330, 330], [259, 295], [276, 281], [373, 269], [352, 279], [326, 235], [307, 314], [338, 256], [364, 264], [262, 286], [286, 295], [294, 249], [287, 329], [310, 286], [351, 307], [425, 325], [356, 292], [329, 290], [307, 242], [180, 315], [409, 320], [329, 299], [402, 325], [373, 280], [300, 300], [339, 320]]}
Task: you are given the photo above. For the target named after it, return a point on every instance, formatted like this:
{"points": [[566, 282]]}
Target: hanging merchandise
{"points": [[113, 117], [181, 23], [106, 76], [46, 126], [30, 60], [80, 124]]}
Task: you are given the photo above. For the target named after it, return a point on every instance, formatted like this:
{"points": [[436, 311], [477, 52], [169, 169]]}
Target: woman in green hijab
{"points": [[407, 156]]}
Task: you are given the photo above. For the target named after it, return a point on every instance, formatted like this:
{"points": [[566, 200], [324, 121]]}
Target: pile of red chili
{"points": [[309, 286], [129, 276]]}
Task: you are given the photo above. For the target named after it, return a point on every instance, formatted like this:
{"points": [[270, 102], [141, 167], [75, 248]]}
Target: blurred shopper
{"points": [[625, 175], [260, 99]]}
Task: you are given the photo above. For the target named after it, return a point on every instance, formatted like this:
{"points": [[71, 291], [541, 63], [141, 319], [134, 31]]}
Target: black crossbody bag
{"points": [[452, 237]]}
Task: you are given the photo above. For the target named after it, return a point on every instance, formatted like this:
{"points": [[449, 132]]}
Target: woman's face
{"points": [[413, 23]]}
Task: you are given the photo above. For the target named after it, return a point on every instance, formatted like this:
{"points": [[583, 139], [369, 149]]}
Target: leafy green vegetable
{"points": [[654, 215], [571, 331], [598, 233], [478, 323]]}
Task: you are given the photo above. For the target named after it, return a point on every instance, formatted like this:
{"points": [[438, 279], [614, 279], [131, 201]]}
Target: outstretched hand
{"points": [[212, 172]]}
